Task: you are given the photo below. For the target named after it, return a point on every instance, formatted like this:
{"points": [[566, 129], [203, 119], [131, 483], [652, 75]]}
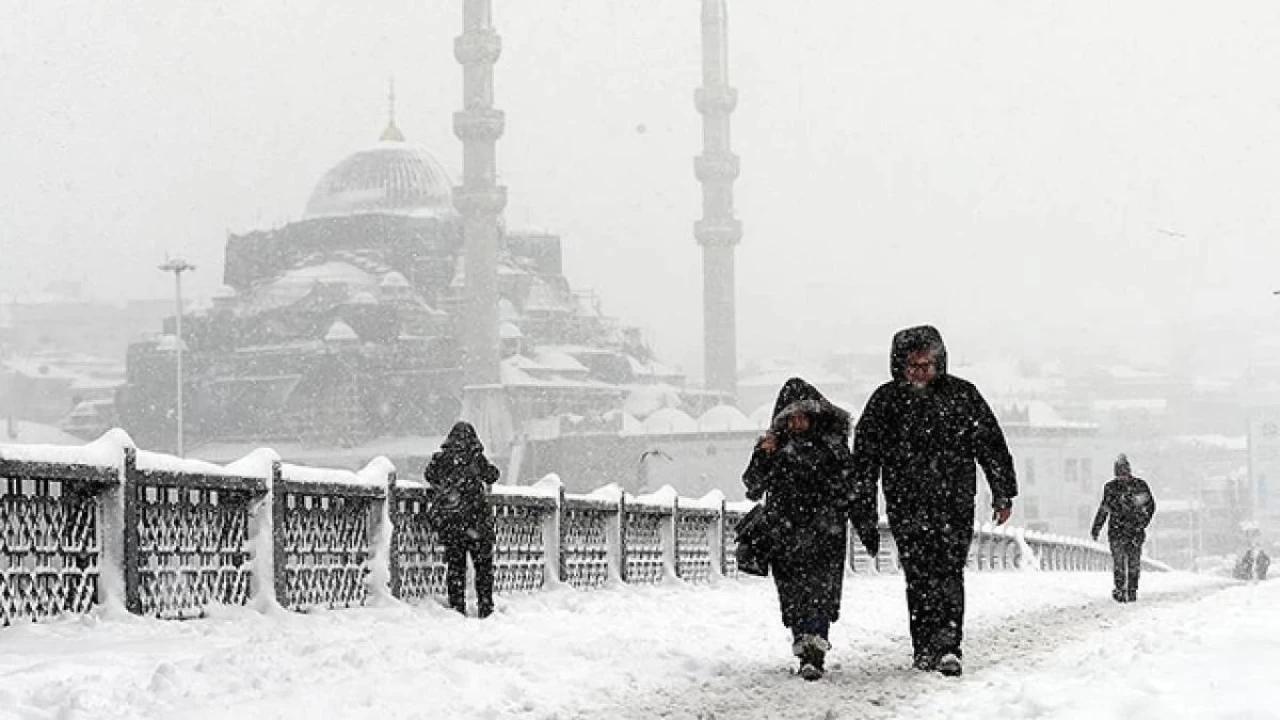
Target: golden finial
{"points": [[392, 133]]}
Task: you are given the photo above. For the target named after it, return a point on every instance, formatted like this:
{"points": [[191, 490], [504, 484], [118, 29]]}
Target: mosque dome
{"points": [[392, 177]]}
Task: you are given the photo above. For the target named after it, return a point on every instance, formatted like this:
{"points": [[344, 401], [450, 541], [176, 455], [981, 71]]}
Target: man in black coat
{"points": [[803, 464], [1128, 502], [459, 478], [922, 433]]}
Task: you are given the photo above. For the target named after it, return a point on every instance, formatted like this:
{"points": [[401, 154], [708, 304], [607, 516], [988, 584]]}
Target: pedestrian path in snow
{"points": [[1037, 641]]}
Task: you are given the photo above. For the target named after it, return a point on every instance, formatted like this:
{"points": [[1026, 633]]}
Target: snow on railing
{"points": [[107, 524]]}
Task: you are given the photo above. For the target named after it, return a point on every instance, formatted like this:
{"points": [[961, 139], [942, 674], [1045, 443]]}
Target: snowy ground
{"points": [[1040, 645]]}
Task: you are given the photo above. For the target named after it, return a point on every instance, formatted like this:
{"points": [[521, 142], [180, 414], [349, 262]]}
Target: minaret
{"points": [[718, 232], [480, 201]]}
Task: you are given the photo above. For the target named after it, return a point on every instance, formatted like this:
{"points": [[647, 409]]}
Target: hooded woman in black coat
{"points": [[803, 464], [458, 478]]}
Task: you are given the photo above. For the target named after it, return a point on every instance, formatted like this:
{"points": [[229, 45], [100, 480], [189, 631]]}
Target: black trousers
{"points": [[480, 549], [1126, 565], [933, 557]]}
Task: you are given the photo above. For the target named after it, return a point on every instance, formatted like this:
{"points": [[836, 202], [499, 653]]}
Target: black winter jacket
{"points": [[924, 443], [459, 478], [1129, 504], [808, 483]]}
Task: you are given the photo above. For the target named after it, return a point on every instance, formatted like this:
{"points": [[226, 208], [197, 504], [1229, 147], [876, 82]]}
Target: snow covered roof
{"points": [[762, 416], [644, 400], [391, 177], [630, 425], [724, 418], [340, 332], [652, 369], [1043, 415], [393, 280], [297, 283], [669, 420]]}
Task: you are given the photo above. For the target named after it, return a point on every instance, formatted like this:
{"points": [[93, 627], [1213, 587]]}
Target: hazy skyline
{"points": [[1025, 175]]}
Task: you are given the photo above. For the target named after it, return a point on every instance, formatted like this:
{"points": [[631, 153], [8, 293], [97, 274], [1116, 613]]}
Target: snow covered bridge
{"points": [[107, 524], [614, 606]]}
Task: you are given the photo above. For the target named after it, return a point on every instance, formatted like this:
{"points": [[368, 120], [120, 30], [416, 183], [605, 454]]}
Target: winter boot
{"points": [[1132, 596], [949, 665], [1119, 595], [812, 651]]}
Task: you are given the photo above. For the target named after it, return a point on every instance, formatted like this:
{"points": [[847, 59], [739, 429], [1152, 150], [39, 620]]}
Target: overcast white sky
{"points": [[1020, 173]]}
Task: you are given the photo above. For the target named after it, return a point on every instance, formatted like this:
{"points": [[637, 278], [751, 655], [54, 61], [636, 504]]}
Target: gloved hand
{"points": [[1094, 536], [1001, 508], [870, 537]]}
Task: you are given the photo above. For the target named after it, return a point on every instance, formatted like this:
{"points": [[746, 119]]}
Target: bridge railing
{"points": [[107, 524]]}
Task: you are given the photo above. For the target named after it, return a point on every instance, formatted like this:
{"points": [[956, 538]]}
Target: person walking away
{"points": [[1127, 503], [459, 478], [923, 434], [801, 467]]}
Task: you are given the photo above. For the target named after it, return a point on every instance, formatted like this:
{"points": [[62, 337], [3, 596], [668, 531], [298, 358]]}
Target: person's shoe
{"points": [[949, 665], [1132, 596], [812, 651], [1119, 595], [810, 672], [484, 611]]}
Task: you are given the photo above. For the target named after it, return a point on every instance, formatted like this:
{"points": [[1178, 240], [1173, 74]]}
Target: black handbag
{"points": [[756, 544]]}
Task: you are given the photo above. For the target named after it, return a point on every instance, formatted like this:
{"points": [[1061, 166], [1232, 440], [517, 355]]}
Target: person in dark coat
{"points": [[802, 465], [921, 433], [1128, 503], [459, 478]]}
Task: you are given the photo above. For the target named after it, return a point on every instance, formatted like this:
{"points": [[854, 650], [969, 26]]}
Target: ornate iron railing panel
{"points": [[642, 538], [584, 541], [520, 554], [731, 518], [325, 544], [694, 530], [193, 546], [418, 552], [49, 545]]}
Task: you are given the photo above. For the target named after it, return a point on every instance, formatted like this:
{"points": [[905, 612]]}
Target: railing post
{"points": [[718, 567], [132, 578], [279, 554], [622, 537], [381, 582], [393, 560], [553, 573], [670, 540]]}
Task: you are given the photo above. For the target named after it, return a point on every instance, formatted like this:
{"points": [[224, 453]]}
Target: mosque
{"points": [[401, 301]]}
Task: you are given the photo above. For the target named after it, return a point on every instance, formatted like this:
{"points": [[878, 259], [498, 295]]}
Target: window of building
{"points": [[1032, 508], [1029, 471], [1086, 474], [1071, 471]]}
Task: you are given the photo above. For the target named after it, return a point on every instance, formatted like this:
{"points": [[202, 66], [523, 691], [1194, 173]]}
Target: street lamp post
{"points": [[177, 266]]}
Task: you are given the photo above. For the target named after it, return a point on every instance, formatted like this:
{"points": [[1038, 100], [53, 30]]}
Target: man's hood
{"points": [[914, 339]]}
